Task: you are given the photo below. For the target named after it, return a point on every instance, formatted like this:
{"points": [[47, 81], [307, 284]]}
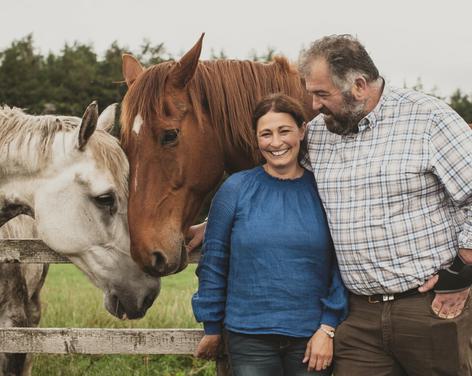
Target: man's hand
{"points": [[195, 233], [208, 347], [319, 351], [448, 305]]}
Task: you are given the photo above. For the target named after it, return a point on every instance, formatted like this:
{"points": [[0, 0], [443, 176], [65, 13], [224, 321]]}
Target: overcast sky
{"points": [[407, 39]]}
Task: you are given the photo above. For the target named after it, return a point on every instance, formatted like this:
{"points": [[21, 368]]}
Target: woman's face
{"points": [[279, 138]]}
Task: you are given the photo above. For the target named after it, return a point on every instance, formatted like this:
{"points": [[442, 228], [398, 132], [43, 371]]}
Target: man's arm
{"points": [[450, 145], [195, 234]]}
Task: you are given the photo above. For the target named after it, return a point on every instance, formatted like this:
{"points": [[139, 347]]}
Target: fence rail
{"points": [[99, 341], [87, 340], [34, 251]]}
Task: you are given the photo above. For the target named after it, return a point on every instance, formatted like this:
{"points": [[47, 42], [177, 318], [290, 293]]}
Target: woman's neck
{"points": [[287, 172]]}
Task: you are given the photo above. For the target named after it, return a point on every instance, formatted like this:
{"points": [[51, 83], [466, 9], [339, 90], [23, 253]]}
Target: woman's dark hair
{"points": [[282, 103]]}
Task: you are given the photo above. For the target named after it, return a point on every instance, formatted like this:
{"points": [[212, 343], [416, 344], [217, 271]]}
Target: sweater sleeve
{"points": [[209, 301], [335, 304]]}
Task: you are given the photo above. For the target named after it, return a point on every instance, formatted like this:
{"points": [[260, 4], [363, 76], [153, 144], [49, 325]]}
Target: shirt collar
{"points": [[370, 120]]}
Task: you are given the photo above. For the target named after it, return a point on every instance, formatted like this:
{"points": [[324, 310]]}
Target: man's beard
{"points": [[346, 121]]}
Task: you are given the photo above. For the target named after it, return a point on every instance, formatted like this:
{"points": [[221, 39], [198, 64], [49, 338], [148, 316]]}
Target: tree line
{"points": [[66, 82]]}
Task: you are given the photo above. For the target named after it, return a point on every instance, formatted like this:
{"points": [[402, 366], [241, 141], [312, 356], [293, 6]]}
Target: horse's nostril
{"points": [[159, 262], [148, 300]]}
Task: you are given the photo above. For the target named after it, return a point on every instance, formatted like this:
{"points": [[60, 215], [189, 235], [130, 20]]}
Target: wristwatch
{"points": [[329, 333]]}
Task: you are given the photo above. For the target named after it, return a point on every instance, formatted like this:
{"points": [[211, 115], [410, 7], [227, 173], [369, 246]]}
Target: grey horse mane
{"points": [[29, 138]]}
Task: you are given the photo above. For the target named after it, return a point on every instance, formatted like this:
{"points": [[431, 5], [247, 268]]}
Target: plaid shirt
{"points": [[397, 194]]}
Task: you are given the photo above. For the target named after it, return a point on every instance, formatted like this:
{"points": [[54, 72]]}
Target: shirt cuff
{"points": [[211, 328], [330, 318]]}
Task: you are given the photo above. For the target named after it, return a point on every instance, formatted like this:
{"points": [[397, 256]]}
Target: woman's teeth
{"points": [[279, 152]]}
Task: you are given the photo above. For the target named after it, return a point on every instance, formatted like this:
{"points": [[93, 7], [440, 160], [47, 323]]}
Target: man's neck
{"points": [[375, 92]]}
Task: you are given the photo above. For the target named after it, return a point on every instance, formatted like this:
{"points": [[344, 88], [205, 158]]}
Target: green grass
{"points": [[69, 300]]}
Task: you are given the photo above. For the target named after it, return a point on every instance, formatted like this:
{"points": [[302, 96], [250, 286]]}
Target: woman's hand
{"points": [[195, 234], [319, 350], [209, 347]]}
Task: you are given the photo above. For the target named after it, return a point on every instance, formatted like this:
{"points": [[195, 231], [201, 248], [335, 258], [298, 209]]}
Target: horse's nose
{"points": [[161, 266]]}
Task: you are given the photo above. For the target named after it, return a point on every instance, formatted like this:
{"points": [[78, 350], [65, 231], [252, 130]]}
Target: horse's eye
{"points": [[169, 137], [106, 200]]}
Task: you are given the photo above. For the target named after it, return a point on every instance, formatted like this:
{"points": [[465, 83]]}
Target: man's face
{"points": [[342, 112]]}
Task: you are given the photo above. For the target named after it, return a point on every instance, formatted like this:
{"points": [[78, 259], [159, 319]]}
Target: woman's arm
{"points": [[209, 301], [319, 351], [335, 304]]}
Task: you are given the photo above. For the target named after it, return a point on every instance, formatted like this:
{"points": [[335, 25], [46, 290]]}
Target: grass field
{"points": [[69, 300]]}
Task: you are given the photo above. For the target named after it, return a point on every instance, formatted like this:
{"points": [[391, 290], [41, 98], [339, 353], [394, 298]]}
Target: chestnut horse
{"points": [[183, 124]]}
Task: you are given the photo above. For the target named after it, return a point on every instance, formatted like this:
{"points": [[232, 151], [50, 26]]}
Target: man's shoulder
{"points": [[415, 99]]}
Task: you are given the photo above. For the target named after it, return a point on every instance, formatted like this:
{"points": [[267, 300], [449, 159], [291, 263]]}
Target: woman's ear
{"points": [[302, 130]]}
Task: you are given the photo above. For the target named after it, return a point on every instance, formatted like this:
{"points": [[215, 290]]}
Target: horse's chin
{"points": [[126, 309]]}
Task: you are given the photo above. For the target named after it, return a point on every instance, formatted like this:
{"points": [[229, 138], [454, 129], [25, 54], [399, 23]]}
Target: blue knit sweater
{"points": [[268, 264]]}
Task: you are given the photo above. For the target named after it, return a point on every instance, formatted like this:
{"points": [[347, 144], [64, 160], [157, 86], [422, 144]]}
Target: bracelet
{"points": [[329, 333]]}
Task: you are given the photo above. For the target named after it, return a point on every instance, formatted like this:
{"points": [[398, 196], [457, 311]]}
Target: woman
{"points": [[268, 273]]}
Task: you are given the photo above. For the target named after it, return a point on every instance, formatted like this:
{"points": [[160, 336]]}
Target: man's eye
{"points": [[170, 137]]}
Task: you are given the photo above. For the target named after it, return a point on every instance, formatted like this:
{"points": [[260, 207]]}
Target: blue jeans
{"points": [[268, 355]]}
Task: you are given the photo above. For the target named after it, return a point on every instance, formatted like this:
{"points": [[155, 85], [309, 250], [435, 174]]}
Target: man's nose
{"points": [[316, 104]]}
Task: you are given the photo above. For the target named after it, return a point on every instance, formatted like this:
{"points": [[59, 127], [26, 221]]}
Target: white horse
{"points": [[20, 285], [72, 179]]}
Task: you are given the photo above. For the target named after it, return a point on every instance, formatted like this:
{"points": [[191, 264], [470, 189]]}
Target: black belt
{"points": [[379, 298]]}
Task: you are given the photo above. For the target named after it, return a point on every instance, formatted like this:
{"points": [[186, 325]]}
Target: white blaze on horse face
{"points": [[138, 122]]}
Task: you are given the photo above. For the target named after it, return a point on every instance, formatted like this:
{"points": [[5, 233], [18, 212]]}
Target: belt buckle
{"points": [[372, 300], [382, 298]]}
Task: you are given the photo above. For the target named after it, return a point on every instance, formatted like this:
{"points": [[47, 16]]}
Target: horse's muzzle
{"points": [[161, 266]]}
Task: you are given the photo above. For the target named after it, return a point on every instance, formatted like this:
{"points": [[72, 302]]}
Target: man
{"points": [[394, 172]]}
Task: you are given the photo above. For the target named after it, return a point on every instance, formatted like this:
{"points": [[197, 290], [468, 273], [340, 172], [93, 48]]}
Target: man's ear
{"points": [[359, 88]]}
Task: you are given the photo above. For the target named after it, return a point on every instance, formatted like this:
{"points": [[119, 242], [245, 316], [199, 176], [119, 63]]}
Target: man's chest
{"points": [[373, 166]]}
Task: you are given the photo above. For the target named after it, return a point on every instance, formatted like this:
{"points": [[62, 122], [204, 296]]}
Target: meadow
{"points": [[70, 300]]}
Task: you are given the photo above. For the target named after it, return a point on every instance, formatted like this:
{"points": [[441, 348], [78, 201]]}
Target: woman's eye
{"points": [[106, 199], [170, 137]]}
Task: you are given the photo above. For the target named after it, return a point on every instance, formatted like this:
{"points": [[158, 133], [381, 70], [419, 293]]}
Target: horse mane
{"points": [[227, 89], [29, 138]]}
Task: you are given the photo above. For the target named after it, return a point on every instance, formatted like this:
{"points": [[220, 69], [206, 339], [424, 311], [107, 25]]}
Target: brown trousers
{"points": [[402, 337]]}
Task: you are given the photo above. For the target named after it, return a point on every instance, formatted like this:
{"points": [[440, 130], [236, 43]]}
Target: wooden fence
{"points": [[87, 340]]}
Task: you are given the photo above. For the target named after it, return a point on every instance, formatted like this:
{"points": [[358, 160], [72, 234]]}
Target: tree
{"points": [[21, 75], [462, 103]]}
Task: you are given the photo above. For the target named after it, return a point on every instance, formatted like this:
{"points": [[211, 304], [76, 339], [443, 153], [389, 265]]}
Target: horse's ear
{"points": [[106, 120], [184, 70], [132, 68], [88, 124]]}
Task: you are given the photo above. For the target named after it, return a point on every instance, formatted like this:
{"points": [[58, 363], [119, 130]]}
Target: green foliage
{"points": [[21, 74], [462, 103], [67, 82]]}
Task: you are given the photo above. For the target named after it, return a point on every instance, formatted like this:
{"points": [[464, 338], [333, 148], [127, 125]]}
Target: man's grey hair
{"points": [[346, 58]]}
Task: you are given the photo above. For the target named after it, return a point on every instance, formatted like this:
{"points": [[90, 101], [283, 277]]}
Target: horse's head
{"points": [[174, 154], [80, 209]]}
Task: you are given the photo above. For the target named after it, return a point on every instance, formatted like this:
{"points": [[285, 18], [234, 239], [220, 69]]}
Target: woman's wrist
{"points": [[328, 330]]}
